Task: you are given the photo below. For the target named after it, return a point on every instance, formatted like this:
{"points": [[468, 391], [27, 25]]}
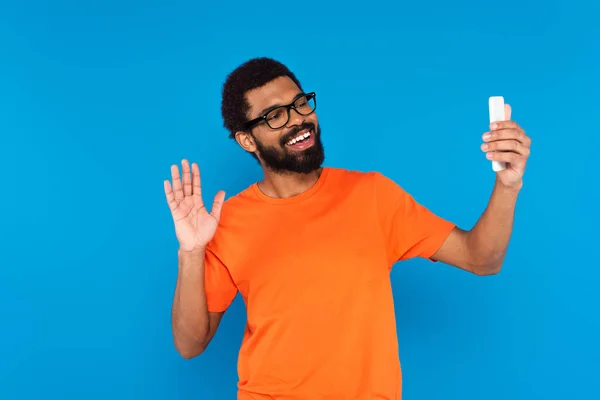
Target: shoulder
{"points": [[237, 203], [369, 180], [353, 175], [234, 223]]}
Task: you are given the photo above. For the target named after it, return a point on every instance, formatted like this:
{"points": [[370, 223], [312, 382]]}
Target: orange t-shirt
{"points": [[313, 271]]}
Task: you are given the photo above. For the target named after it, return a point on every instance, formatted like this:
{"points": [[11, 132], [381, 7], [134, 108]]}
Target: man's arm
{"points": [[482, 249], [193, 326]]}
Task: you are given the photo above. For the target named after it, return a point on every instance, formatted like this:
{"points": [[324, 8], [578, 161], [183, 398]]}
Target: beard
{"points": [[282, 160]]}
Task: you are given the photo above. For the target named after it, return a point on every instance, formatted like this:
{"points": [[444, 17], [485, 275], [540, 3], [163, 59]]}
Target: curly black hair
{"points": [[252, 74]]}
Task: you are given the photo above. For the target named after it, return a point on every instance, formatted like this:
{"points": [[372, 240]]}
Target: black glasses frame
{"points": [[309, 96]]}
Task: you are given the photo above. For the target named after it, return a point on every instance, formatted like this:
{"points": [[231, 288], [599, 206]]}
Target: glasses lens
{"points": [[277, 117], [305, 105]]}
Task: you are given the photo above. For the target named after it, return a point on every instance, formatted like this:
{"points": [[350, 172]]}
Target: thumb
{"points": [[507, 111], [218, 204]]}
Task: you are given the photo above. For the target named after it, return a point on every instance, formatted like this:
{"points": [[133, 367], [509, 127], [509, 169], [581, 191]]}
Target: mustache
{"points": [[292, 133]]}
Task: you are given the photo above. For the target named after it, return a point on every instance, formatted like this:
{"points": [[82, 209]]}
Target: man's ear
{"points": [[246, 141]]}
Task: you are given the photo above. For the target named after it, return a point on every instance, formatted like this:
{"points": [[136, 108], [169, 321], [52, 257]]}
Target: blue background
{"points": [[98, 100]]}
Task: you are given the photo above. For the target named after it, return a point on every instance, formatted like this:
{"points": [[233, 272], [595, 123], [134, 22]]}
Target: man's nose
{"points": [[295, 118]]}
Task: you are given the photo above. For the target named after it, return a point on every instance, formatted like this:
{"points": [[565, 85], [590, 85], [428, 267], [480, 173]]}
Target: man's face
{"points": [[294, 147]]}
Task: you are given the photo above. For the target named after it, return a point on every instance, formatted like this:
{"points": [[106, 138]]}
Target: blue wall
{"points": [[97, 101]]}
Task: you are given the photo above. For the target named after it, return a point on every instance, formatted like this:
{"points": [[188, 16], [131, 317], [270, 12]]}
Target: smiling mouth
{"points": [[302, 140]]}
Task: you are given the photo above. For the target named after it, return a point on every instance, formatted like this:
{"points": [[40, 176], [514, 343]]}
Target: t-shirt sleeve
{"points": [[409, 228], [219, 286]]}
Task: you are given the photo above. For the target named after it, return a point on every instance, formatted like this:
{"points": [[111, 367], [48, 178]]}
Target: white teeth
{"points": [[299, 138]]}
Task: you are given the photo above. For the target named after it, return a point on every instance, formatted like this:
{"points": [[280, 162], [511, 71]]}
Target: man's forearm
{"points": [[488, 239], [190, 322]]}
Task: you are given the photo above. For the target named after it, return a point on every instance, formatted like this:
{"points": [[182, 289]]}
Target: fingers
{"points": [[170, 196], [506, 142], [189, 185], [514, 159], [504, 133], [218, 204], [508, 124], [177, 187], [507, 150], [196, 186], [507, 145], [507, 130], [187, 179]]}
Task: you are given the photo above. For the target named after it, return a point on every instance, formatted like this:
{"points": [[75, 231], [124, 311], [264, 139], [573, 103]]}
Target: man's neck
{"points": [[288, 184]]}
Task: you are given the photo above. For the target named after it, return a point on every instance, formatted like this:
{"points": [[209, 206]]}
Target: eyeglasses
{"points": [[278, 117]]}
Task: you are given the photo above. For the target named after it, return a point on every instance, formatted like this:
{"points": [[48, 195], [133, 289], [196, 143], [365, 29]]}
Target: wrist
{"points": [[191, 262], [192, 249], [197, 252], [513, 188]]}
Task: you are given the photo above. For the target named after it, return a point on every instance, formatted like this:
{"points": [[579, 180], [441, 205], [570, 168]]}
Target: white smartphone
{"points": [[496, 105]]}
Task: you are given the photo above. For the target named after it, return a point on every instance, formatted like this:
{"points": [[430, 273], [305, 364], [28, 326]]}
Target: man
{"points": [[310, 248]]}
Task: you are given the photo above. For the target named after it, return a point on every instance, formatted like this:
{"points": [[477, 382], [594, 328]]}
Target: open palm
{"points": [[194, 225]]}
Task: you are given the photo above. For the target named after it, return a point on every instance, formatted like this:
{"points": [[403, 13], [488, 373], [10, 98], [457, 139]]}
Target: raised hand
{"points": [[506, 141], [194, 225]]}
